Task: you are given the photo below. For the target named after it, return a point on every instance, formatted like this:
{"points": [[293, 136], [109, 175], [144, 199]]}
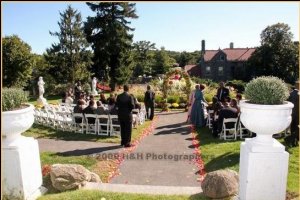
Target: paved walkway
{"points": [[154, 160], [161, 159]]}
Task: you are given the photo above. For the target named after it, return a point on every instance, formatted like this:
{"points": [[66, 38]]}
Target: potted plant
{"points": [[22, 177], [17, 115], [265, 110]]}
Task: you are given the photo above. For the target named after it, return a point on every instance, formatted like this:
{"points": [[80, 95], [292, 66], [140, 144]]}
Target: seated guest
{"points": [[137, 104], [82, 98], [114, 111], [69, 99], [226, 112], [103, 99], [100, 110], [79, 109], [90, 110], [216, 105], [111, 101], [92, 98], [238, 98], [233, 104]]}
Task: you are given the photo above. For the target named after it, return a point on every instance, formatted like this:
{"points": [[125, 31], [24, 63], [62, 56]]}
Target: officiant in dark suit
{"points": [[222, 92], [125, 104], [149, 101]]}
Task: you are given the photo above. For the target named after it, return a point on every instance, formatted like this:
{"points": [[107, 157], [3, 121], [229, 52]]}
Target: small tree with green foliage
{"points": [[17, 61]]}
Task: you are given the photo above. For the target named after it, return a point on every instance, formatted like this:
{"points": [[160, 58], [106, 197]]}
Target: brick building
{"points": [[226, 64]]}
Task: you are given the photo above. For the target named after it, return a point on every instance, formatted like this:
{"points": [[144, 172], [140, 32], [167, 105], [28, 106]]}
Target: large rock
{"points": [[220, 184], [71, 176]]}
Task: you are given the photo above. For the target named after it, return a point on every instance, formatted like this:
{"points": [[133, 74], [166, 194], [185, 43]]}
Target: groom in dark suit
{"points": [[149, 101], [125, 104], [222, 92]]}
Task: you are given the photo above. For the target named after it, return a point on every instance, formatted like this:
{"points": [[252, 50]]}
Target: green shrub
{"points": [[173, 99], [158, 98], [87, 88], [182, 99], [12, 98], [140, 97], [208, 97], [266, 90]]}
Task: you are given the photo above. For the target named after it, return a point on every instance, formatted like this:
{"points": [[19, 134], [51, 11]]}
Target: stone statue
{"points": [[41, 100], [94, 84], [41, 84]]}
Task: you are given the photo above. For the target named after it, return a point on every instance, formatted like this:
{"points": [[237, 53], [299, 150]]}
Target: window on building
{"points": [[222, 57], [221, 70], [207, 70]]}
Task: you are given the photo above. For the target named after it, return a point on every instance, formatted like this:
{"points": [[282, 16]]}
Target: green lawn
{"points": [[219, 154], [100, 195], [50, 100], [39, 131]]}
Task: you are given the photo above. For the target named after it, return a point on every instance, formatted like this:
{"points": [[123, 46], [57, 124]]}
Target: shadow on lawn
{"points": [[224, 161], [81, 152], [46, 132]]}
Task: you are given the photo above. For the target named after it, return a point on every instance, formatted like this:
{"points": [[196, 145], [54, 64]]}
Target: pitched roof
{"points": [[235, 54], [209, 54], [192, 70]]}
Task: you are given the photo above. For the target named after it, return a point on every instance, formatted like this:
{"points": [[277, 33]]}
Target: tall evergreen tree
{"points": [[111, 41], [70, 59], [163, 62]]}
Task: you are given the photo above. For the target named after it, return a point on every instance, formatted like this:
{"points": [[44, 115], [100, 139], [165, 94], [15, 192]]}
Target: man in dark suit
{"points": [[224, 113], [222, 92], [125, 104], [149, 101], [294, 98]]}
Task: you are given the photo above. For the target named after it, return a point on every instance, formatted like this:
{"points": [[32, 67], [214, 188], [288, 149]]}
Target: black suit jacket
{"points": [[125, 104], [227, 112], [294, 98], [149, 98], [223, 95]]}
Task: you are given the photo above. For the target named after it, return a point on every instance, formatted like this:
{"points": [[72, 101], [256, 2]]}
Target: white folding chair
{"points": [[78, 122], [91, 128], [210, 118], [243, 131], [115, 128], [103, 125], [229, 132]]}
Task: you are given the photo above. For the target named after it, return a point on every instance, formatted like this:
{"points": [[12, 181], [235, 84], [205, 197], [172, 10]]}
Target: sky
{"points": [[177, 26]]}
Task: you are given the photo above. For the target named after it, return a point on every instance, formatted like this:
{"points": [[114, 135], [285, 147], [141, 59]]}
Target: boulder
{"points": [[220, 184], [71, 176]]}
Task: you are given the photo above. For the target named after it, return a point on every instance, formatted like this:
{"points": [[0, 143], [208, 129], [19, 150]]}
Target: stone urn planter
{"points": [[265, 120], [22, 177], [16, 122]]}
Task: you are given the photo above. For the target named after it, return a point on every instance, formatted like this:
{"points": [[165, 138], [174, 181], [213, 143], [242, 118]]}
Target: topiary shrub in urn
{"points": [[265, 110], [17, 114], [21, 177]]}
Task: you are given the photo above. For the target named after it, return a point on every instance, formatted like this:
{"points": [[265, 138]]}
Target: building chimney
{"points": [[203, 46], [231, 45]]}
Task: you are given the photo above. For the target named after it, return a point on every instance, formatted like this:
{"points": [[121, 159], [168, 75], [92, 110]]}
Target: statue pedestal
{"points": [[94, 92], [41, 101], [22, 177], [263, 171]]}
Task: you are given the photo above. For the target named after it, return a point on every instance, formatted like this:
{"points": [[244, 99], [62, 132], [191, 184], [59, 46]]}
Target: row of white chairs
{"points": [[237, 128], [64, 119]]}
